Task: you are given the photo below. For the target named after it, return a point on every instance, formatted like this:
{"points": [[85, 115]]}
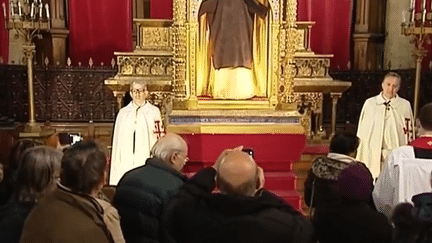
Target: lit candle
{"points": [[4, 10], [40, 10], [47, 10], [19, 9], [424, 11], [12, 11], [32, 10]]}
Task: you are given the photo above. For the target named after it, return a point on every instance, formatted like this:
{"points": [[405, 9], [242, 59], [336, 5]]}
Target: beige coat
{"points": [[68, 218]]}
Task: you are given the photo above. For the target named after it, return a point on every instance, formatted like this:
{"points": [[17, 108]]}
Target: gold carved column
{"points": [[286, 86], [180, 49]]}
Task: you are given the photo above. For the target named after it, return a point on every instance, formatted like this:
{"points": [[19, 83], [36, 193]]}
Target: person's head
{"points": [[139, 92], [15, 157], [425, 119], [237, 174], [172, 149], [83, 168], [355, 183], [413, 222], [37, 173], [391, 85], [344, 143]]}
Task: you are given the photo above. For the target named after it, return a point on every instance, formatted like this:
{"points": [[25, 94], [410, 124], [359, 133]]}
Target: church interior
{"points": [[66, 69]]}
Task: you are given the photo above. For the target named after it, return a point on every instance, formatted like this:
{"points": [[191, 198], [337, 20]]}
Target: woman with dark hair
{"points": [[10, 169], [36, 176], [320, 185]]}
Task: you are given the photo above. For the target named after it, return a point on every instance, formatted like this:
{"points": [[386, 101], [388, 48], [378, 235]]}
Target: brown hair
{"points": [[83, 167], [36, 174], [425, 117], [10, 169]]}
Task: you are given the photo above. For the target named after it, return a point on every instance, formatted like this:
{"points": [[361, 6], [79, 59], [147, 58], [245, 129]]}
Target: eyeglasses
{"points": [[186, 158], [138, 91]]}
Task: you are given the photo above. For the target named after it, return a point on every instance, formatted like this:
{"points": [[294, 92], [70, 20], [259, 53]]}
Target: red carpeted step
{"points": [[316, 149], [280, 180], [291, 196]]}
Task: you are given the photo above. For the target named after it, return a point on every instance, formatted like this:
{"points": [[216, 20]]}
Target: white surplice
{"points": [[135, 132], [403, 176], [383, 128]]}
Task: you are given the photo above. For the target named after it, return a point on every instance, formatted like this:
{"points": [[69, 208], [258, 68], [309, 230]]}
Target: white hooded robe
{"points": [[371, 129], [127, 154]]}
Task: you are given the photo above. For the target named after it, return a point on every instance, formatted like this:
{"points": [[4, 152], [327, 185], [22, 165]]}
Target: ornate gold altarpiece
{"points": [[167, 56]]}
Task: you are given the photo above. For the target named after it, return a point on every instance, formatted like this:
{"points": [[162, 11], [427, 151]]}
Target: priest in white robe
{"points": [[386, 122], [138, 125], [399, 182]]}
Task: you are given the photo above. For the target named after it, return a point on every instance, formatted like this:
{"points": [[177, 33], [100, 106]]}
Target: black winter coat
{"points": [[140, 196], [353, 222], [196, 215], [12, 217]]}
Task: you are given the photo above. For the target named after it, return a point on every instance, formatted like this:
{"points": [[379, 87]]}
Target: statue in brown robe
{"points": [[231, 30]]}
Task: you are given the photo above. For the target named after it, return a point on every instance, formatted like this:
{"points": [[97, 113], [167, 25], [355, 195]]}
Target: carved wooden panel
{"points": [[80, 95], [61, 94], [311, 67]]}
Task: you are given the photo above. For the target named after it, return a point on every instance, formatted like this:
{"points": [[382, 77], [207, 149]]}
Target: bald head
{"points": [[237, 174]]}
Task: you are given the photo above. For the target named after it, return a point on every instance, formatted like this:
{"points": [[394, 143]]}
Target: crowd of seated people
{"points": [[53, 196]]}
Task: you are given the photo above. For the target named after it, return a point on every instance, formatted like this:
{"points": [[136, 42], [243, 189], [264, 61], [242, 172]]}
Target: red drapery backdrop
{"points": [[98, 28], [332, 32], [4, 34], [161, 9]]}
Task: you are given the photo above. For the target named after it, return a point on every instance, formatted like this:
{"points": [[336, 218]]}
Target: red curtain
{"points": [[4, 33], [332, 32], [161, 9], [98, 28]]}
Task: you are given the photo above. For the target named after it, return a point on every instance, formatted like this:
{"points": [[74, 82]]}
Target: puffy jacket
{"points": [[140, 196]]}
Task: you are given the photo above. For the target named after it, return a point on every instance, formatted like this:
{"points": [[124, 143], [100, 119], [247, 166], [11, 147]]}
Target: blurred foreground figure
{"points": [[243, 211]]}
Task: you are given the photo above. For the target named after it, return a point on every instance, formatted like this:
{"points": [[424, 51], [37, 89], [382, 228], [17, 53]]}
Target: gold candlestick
{"points": [[28, 26], [420, 33]]}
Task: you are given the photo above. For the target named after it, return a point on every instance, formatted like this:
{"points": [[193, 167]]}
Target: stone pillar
{"points": [[369, 34], [398, 48], [58, 32]]}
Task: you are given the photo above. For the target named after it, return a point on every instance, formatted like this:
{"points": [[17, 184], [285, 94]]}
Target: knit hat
{"points": [[355, 183]]}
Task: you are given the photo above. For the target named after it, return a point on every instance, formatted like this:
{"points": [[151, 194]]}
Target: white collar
{"points": [[136, 107], [381, 99], [340, 157]]}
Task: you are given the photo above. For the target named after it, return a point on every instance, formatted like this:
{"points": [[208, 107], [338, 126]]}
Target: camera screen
{"points": [[249, 151], [69, 138]]}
